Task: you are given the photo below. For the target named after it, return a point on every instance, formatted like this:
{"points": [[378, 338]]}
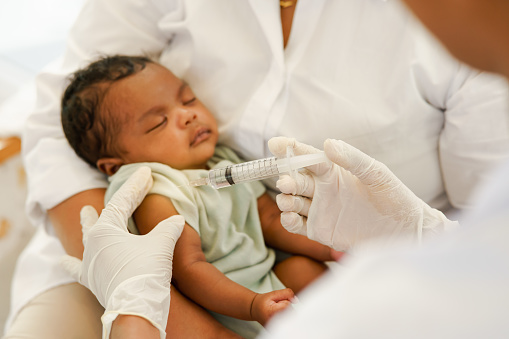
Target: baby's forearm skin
{"points": [[204, 283], [201, 281]]}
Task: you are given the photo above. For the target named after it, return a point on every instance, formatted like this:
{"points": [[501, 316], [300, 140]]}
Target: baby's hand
{"points": [[265, 305], [336, 255]]}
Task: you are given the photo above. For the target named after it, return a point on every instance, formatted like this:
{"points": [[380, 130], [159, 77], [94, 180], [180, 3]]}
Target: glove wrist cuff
{"points": [[435, 223], [109, 317], [142, 296]]}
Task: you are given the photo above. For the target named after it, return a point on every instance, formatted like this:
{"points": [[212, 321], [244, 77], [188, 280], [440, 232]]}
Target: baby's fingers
{"points": [[281, 300], [286, 294]]}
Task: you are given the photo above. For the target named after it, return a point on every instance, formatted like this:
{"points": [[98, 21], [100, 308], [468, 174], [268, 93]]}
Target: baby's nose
{"points": [[185, 117]]}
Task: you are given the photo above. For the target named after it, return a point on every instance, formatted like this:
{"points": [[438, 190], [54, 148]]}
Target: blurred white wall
{"points": [[32, 34]]}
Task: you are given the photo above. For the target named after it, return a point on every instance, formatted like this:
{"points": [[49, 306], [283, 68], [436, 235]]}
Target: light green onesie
{"points": [[227, 221]]}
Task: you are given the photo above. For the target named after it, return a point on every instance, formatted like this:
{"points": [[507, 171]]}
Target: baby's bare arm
{"points": [[204, 283], [199, 280], [276, 236], [186, 318]]}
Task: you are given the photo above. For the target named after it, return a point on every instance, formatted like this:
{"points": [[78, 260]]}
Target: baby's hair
{"points": [[90, 133]]}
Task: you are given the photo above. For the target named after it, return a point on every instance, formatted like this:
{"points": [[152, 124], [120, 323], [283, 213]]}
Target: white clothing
{"points": [[363, 71], [452, 287]]}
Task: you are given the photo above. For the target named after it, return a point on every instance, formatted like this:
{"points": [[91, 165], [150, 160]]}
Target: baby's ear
{"points": [[109, 166]]}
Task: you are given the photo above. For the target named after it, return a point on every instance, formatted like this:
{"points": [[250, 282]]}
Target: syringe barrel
{"points": [[261, 169], [244, 172]]}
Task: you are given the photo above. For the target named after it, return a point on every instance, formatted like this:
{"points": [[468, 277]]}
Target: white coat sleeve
{"points": [[475, 135], [54, 172]]}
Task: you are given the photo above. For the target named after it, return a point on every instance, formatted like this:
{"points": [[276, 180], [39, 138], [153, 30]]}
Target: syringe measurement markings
{"points": [[253, 170], [243, 172], [261, 168]]}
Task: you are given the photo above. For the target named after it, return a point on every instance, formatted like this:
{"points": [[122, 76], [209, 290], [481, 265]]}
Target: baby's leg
{"points": [[297, 272]]}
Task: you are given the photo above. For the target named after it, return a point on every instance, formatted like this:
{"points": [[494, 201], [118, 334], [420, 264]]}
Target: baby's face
{"points": [[161, 120]]}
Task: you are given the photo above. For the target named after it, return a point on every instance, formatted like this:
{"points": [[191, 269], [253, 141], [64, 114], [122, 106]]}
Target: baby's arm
{"points": [[276, 236], [200, 280]]}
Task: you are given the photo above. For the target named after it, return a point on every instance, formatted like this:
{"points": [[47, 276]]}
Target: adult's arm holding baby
{"points": [[65, 218]]}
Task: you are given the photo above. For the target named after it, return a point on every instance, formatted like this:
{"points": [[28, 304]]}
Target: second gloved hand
{"points": [[350, 199], [129, 274]]}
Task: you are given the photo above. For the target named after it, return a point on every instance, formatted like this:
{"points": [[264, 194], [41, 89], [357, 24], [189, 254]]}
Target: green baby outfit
{"points": [[227, 221]]}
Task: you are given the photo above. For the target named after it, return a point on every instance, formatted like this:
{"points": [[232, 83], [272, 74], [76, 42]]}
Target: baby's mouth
{"points": [[200, 135]]}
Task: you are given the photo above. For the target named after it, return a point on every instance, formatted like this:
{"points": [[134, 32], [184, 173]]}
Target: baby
{"points": [[122, 112]]}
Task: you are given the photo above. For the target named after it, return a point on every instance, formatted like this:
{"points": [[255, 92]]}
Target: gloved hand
{"points": [[351, 199], [129, 274]]}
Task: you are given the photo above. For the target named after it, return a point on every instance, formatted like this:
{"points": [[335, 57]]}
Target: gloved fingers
{"points": [[72, 265], [278, 146], [294, 223], [130, 195], [291, 203], [170, 229], [353, 160], [301, 184], [88, 218]]}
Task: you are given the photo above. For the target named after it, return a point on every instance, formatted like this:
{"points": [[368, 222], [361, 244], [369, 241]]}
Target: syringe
{"points": [[257, 170]]}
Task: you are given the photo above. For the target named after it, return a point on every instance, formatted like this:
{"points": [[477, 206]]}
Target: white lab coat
{"points": [[452, 287], [363, 71]]}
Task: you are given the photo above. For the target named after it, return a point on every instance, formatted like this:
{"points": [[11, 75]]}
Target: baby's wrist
{"points": [[252, 306]]}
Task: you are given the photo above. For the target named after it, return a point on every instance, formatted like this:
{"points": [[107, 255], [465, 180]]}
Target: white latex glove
{"points": [[129, 274], [341, 206]]}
